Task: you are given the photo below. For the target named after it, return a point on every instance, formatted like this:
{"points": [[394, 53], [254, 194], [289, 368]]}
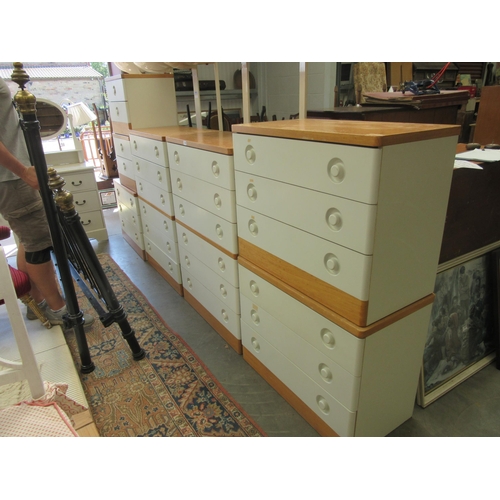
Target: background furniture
{"points": [[368, 77], [487, 129]]}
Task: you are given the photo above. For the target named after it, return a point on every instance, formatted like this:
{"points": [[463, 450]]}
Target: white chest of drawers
{"points": [[124, 162], [80, 180], [340, 227]]}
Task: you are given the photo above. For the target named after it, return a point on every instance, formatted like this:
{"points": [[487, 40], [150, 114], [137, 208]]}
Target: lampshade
{"points": [[81, 114]]}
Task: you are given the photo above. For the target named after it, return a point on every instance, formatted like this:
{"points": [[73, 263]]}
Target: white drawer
{"points": [[158, 221], [80, 181], [126, 198], [336, 265], [334, 379], [348, 171], [92, 221], [216, 229], [217, 200], [165, 261], [223, 314], [116, 90], [161, 241], [342, 221], [125, 167], [156, 196], [122, 146], [86, 201], [149, 149], [219, 262], [157, 175], [119, 112], [326, 337], [133, 231], [221, 288], [211, 167], [132, 218], [337, 416]]}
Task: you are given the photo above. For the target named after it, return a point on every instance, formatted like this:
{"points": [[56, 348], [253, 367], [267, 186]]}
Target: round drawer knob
{"points": [[181, 210], [254, 288], [252, 192], [221, 264], [255, 317], [323, 404], [223, 291], [189, 282], [225, 316], [328, 338], [219, 231], [336, 170], [187, 261], [140, 186], [332, 264], [255, 344], [217, 201], [135, 145], [165, 225], [157, 152], [179, 184], [176, 157], [215, 169], [169, 248], [334, 219], [158, 174], [117, 112], [325, 372], [252, 227], [184, 238], [171, 268], [114, 90], [250, 154]]}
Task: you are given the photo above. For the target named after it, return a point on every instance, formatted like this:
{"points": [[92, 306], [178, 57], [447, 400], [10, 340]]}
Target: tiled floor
{"points": [[471, 409]]}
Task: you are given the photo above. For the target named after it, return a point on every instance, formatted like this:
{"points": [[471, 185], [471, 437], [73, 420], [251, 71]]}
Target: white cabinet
{"points": [[339, 233]]}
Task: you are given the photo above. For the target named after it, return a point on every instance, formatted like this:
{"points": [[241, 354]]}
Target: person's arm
{"points": [[10, 162]]}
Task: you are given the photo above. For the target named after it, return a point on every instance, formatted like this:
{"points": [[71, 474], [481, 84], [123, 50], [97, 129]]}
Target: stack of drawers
{"points": [[124, 161], [152, 178], [205, 210], [340, 228]]}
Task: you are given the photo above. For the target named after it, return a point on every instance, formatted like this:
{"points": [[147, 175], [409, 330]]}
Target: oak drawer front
{"points": [[211, 167], [122, 146], [157, 220], [157, 175], [337, 416], [217, 200], [119, 112], [219, 262], [126, 199], [326, 337], [348, 171], [342, 221], [125, 167], [82, 181], [86, 201], [223, 314], [161, 240], [221, 288], [334, 379], [156, 196], [336, 265], [166, 262], [132, 231], [149, 149], [116, 90], [216, 229]]}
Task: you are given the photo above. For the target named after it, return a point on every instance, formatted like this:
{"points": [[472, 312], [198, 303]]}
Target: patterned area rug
{"points": [[168, 393]]}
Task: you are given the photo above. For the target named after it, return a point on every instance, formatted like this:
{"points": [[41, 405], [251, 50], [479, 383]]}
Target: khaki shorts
{"points": [[22, 207]]}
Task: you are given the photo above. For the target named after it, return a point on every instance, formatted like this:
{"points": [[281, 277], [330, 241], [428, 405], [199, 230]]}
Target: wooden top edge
{"points": [[142, 75], [349, 132], [208, 140]]}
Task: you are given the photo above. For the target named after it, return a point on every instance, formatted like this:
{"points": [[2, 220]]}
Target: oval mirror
{"points": [[53, 119]]}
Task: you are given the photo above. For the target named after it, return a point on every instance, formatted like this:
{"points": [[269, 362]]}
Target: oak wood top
{"points": [[358, 133], [208, 140]]}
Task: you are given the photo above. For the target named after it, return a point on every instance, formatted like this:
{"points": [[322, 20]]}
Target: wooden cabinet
{"points": [[339, 233]]}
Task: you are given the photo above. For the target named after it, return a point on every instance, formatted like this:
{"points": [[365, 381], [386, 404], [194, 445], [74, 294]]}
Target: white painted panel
{"points": [[79, 181], [86, 201], [216, 229], [212, 304], [211, 167], [215, 199], [132, 230], [337, 416], [153, 173], [127, 199], [119, 112], [161, 240], [149, 149], [125, 167], [122, 147], [219, 262], [348, 171], [342, 221], [157, 221], [328, 338], [156, 196], [115, 90], [165, 261], [341, 267]]}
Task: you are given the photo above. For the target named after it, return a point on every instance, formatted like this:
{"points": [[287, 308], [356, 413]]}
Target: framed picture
{"points": [[108, 198], [461, 338]]}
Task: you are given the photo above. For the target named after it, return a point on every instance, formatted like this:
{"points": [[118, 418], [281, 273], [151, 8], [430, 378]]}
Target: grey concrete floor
{"points": [[471, 409]]}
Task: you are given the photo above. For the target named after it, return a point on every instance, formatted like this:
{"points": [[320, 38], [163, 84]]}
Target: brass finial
{"points": [[63, 198], [25, 101]]}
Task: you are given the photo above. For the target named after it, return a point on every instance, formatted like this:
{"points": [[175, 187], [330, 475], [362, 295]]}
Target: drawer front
{"points": [[122, 146], [153, 173], [159, 222], [125, 167], [156, 196], [92, 221], [133, 231], [116, 90], [211, 167], [221, 288], [336, 265], [342, 221], [82, 181], [326, 337], [119, 112], [149, 149], [219, 262], [348, 171], [228, 318], [86, 201], [165, 261], [216, 229], [334, 379], [337, 416], [127, 199], [165, 244], [217, 200], [131, 217]]}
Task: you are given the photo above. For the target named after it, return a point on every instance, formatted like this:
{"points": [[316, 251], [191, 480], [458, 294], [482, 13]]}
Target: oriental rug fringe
{"points": [[169, 393]]}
